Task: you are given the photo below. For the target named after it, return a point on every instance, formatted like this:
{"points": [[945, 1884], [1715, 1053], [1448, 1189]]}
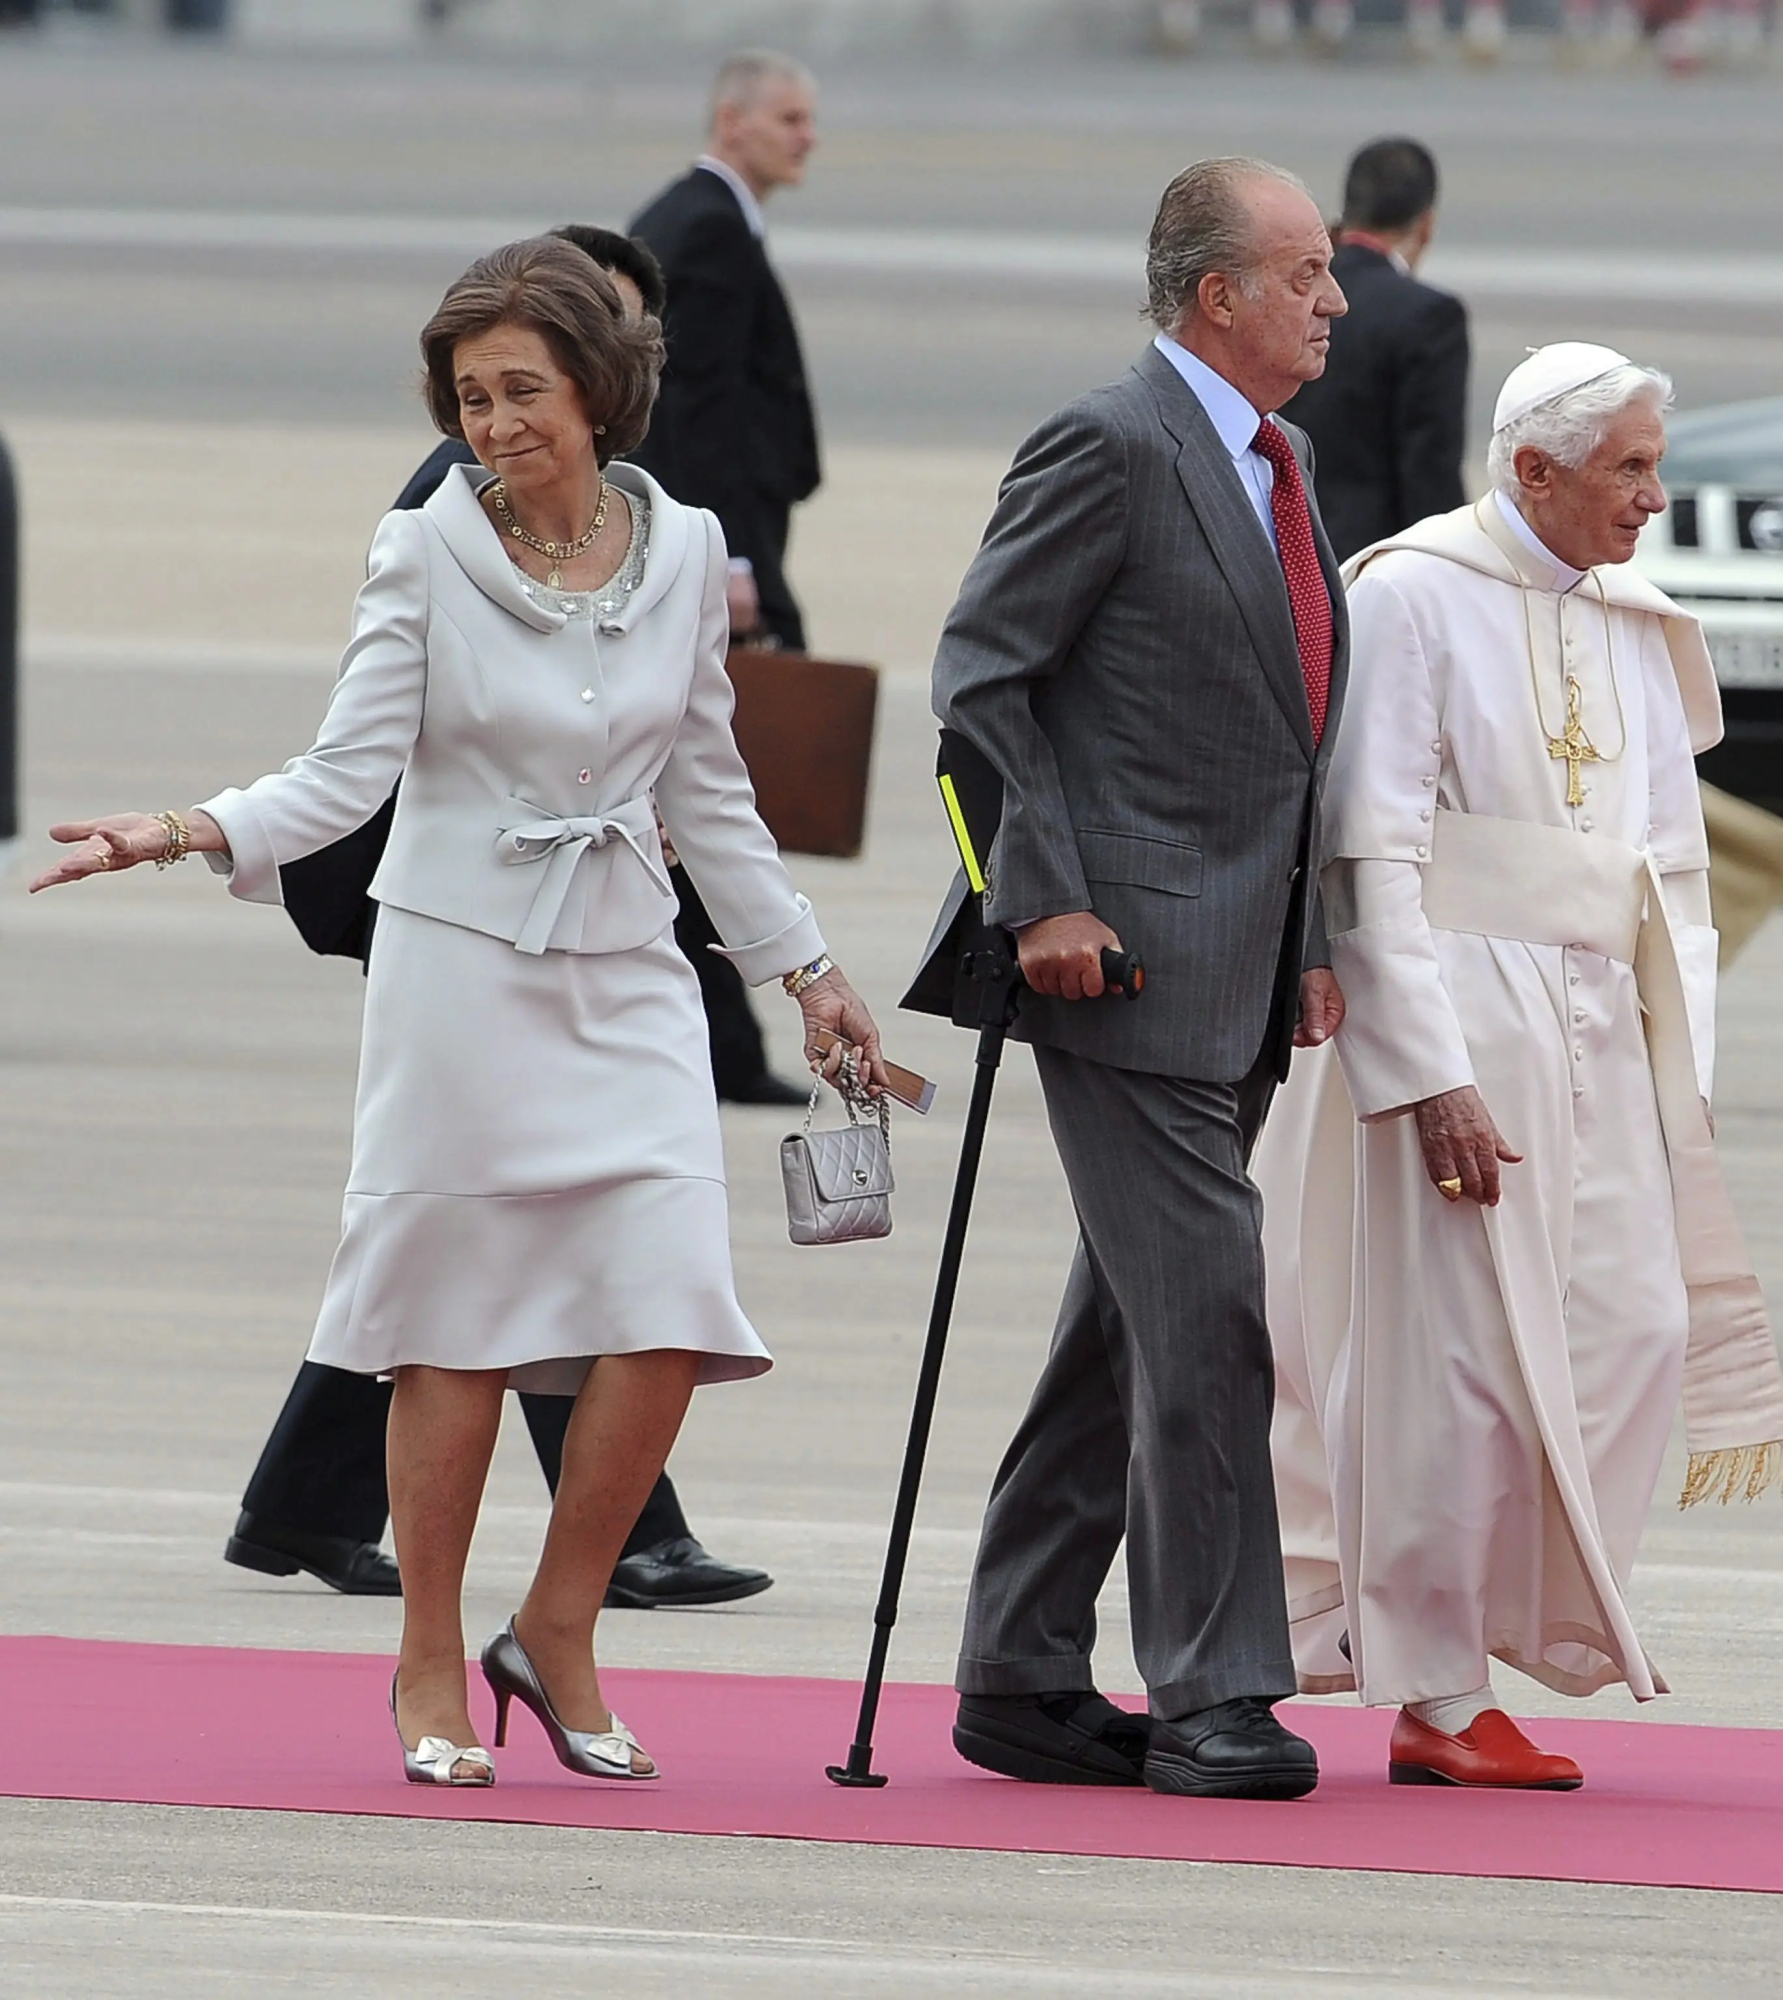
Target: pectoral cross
{"points": [[1574, 745]]}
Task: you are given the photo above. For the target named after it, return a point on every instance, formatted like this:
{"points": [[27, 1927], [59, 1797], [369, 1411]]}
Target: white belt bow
{"points": [[530, 835]]}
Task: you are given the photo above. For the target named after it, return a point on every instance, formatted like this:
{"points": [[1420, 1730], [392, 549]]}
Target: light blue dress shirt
{"points": [[1235, 422]]}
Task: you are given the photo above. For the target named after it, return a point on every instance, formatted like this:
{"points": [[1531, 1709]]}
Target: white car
{"points": [[1718, 549]]}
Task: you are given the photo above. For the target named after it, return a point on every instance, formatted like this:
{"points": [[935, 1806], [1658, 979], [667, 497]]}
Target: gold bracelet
{"points": [[796, 982], [179, 839]]}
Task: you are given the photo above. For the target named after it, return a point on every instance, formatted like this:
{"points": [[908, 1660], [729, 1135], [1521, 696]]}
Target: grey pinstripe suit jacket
{"points": [[1123, 652]]}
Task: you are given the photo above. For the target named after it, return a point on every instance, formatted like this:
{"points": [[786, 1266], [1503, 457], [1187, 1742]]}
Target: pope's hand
{"points": [[1321, 1008], [1462, 1145], [1062, 956]]}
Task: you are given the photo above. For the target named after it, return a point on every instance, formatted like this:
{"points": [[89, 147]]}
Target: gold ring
{"points": [[105, 856], [1450, 1189]]}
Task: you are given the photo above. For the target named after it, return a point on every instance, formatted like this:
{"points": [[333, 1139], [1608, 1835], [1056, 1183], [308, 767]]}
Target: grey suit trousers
{"points": [[1151, 1416]]}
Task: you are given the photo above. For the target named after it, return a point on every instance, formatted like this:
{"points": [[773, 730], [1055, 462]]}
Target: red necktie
{"points": [[1307, 593]]}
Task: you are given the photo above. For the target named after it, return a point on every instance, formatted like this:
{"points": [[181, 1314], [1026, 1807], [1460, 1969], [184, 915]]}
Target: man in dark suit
{"points": [[1388, 418], [734, 429], [317, 1500], [1150, 647]]}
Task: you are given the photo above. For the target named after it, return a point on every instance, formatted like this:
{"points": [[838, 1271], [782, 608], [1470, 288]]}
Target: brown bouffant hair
{"points": [[552, 287]]}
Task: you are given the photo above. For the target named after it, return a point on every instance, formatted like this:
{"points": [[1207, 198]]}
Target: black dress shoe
{"points": [[764, 1089], [679, 1574], [356, 1569], [1079, 1738], [1235, 1750]]}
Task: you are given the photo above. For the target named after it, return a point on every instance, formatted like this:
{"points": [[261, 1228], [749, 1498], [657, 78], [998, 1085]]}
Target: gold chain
{"points": [[556, 553], [1573, 745]]}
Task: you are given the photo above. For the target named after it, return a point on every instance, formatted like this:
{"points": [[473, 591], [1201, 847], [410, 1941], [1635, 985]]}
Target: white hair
{"points": [[741, 77], [1571, 427]]}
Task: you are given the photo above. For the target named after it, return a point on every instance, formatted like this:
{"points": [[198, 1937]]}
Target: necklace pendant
{"points": [[555, 579]]}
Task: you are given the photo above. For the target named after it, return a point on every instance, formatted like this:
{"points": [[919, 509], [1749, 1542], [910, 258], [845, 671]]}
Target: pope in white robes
{"points": [[1497, 1237]]}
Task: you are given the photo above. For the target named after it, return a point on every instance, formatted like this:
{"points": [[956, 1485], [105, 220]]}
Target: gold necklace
{"points": [[1572, 744], [557, 553]]}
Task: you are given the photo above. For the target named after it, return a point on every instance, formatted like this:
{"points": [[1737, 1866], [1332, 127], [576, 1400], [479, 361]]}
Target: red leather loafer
{"points": [[1491, 1751]]}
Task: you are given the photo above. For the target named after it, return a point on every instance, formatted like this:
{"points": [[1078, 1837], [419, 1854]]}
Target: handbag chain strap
{"points": [[855, 1100]]}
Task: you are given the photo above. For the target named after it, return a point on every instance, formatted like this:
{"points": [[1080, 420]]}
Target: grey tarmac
{"points": [[206, 432]]}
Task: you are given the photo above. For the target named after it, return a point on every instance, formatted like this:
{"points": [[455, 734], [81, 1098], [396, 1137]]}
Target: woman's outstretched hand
{"points": [[830, 1002], [119, 841]]}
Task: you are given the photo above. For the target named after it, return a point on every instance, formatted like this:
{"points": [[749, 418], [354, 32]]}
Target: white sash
{"points": [[1550, 885]]}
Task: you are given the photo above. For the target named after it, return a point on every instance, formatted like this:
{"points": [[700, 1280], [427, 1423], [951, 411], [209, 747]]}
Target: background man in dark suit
{"points": [[317, 1499], [1388, 418], [734, 428], [1150, 647]]}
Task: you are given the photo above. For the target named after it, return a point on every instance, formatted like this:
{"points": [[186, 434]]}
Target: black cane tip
{"points": [[840, 1774]]}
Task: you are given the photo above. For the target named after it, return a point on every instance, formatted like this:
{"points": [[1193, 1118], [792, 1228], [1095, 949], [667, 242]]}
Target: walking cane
{"points": [[971, 974]]}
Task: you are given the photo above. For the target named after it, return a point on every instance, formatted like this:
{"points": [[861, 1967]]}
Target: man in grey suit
{"points": [[1150, 647]]}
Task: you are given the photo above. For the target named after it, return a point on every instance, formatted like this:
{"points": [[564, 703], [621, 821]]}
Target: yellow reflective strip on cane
{"points": [[962, 839]]}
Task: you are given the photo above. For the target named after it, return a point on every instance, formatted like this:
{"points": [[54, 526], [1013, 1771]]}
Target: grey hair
{"points": [[741, 77], [1203, 225], [1570, 428]]}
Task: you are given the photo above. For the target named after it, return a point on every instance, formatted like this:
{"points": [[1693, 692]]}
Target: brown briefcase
{"points": [[805, 728]]}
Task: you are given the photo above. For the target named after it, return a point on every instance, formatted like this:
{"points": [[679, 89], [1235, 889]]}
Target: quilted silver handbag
{"points": [[839, 1184]]}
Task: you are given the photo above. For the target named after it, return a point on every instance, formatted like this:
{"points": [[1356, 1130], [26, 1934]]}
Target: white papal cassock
{"points": [[1473, 1404]]}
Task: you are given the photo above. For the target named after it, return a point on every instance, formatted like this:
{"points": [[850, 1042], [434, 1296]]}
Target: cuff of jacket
{"points": [[1027, 903], [250, 867], [801, 943]]}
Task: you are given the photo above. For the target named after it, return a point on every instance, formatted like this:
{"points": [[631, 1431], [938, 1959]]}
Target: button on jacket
{"points": [[529, 746]]}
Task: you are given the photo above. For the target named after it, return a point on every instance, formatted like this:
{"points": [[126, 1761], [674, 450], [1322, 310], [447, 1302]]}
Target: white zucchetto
{"points": [[1550, 372]]}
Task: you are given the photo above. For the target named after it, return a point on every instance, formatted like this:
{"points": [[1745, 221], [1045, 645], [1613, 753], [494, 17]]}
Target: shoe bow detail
{"points": [[440, 1758], [605, 1753]]}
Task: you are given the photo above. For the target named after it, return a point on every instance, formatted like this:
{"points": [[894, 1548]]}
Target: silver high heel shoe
{"points": [[435, 1760], [605, 1753]]}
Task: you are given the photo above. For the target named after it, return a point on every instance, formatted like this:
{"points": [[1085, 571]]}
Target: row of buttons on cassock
{"points": [[1429, 785]]}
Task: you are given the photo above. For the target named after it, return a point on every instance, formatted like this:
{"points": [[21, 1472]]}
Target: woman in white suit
{"points": [[537, 1177]]}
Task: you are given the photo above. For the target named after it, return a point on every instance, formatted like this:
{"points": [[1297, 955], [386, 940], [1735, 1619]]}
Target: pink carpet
{"points": [[308, 1732]]}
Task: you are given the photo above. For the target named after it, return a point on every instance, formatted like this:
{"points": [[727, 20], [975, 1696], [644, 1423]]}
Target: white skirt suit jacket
{"points": [[537, 1171]]}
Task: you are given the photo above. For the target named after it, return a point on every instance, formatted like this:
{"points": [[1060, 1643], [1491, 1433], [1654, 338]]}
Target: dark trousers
{"points": [[780, 614], [738, 1054], [322, 1471], [1151, 1416]]}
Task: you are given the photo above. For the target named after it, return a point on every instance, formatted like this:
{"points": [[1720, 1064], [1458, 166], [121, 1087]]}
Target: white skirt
{"points": [[538, 1176]]}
